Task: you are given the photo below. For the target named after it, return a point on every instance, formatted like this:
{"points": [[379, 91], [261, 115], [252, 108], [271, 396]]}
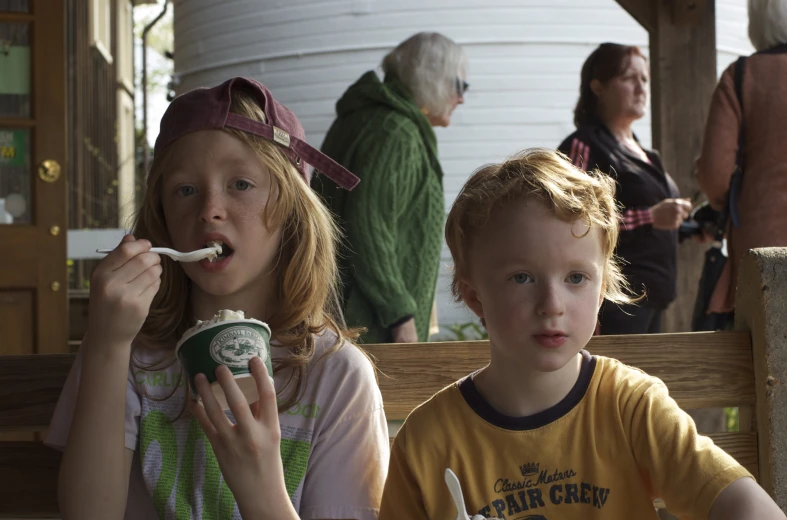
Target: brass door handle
{"points": [[49, 170]]}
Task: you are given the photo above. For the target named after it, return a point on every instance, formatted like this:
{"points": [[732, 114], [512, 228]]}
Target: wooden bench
{"points": [[743, 369]]}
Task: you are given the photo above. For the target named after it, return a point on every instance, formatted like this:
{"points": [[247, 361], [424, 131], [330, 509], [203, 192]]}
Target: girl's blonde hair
{"points": [[549, 177], [306, 266]]}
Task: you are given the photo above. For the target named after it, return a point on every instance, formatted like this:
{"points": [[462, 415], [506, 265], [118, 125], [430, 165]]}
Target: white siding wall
{"points": [[732, 38], [525, 57]]}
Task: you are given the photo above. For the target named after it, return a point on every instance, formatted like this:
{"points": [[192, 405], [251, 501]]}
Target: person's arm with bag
{"points": [[716, 162]]}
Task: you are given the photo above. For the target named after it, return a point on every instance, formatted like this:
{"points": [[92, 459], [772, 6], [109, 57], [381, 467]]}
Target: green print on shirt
{"points": [[210, 491], [161, 378], [156, 427], [295, 459], [218, 502]]}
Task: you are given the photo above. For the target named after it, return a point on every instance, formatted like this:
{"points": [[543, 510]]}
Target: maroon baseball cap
{"points": [[209, 109]]}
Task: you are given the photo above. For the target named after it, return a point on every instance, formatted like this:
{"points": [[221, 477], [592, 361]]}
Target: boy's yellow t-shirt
{"points": [[616, 442]]}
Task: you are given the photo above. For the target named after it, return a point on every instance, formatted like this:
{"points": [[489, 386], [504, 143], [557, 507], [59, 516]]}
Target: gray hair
{"points": [[767, 23], [428, 64]]}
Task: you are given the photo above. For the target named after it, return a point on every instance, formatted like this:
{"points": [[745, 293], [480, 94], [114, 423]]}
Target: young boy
{"points": [[547, 430]]}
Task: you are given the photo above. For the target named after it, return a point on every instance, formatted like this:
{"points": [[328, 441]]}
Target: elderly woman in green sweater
{"points": [[393, 220]]}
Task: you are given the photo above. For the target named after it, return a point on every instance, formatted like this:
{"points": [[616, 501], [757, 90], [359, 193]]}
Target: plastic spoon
{"points": [[193, 256], [456, 493]]}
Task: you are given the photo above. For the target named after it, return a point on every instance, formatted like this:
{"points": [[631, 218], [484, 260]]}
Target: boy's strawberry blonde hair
{"points": [[549, 177]]}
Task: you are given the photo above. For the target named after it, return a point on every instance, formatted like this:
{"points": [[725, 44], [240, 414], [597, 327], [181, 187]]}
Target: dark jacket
{"points": [[393, 220], [649, 255]]}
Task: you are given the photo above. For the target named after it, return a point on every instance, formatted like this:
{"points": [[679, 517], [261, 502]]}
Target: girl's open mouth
{"points": [[225, 250], [221, 260]]}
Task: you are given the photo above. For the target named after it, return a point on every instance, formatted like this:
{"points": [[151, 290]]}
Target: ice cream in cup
{"points": [[226, 339]]}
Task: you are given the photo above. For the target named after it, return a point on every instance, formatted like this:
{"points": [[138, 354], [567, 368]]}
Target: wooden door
{"points": [[33, 223]]}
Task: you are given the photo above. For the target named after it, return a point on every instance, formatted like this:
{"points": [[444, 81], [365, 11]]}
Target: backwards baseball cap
{"points": [[209, 109]]}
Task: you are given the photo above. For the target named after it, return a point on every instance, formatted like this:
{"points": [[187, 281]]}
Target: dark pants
{"points": [[629, 319]]}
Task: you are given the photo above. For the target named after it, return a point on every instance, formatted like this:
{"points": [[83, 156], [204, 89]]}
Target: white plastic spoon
{"points": [[455, 489], [193, 256]]}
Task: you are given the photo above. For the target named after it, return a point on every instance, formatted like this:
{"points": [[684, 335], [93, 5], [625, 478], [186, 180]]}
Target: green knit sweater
{"points": [[393, 220]]}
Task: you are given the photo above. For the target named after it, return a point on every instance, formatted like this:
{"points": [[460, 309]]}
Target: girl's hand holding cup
{"points": [[122, 288], [248, 452]]}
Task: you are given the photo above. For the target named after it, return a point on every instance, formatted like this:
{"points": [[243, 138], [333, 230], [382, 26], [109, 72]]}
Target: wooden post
{"points": [[761, 308], [683, 76], [688, 12], [643, 11]]}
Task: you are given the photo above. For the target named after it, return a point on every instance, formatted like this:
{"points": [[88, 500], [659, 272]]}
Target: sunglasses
{"points": [[461, 87]]}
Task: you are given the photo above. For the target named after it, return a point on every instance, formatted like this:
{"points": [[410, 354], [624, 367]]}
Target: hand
{"points": [[405, 332], [669, 213], [248, 452], [122, 288]]}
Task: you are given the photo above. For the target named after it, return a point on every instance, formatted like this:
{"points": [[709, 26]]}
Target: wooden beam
{"points": [[643, 11], [29, 389], [683, 76], [688, 12], [28, 480], [77, 314], [701, 370], [761, 306], [9, 17], [743, 448]]}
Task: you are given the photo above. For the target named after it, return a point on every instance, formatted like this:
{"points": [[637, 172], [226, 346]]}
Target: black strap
{"points": [[737, 175], [740, 65], [730, 211], [780, 48]]}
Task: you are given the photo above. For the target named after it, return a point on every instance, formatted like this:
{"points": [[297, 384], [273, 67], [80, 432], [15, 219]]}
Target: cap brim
{"points": [[321, 162]]}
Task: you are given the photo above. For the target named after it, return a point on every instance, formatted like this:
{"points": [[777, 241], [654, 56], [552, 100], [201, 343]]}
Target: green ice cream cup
{"points": [[231, 343]]}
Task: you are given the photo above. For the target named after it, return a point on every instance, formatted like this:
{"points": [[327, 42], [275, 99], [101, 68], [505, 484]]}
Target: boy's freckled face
{"points": [[537, 285]]}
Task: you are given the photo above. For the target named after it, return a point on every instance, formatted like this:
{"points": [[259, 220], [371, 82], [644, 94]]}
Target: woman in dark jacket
{"points": [[614, 94]]}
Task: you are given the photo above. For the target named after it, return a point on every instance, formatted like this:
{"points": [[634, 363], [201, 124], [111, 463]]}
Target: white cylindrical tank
{"points": [[524, 63]]}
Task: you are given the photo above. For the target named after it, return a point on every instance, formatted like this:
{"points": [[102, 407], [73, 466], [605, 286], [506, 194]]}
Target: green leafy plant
{"points": [[732, 419], [467, 331]]}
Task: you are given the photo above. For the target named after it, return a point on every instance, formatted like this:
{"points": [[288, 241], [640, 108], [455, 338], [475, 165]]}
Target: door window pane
{"points": [[15, 6], [14, 70], [15, 173]]}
